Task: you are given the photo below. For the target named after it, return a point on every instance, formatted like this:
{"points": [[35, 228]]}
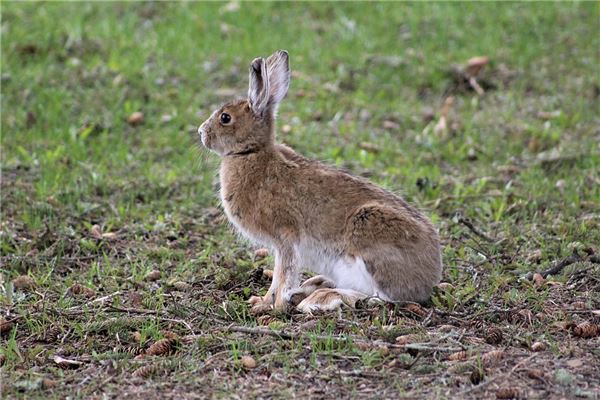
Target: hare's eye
{"points": [[225, 118]]}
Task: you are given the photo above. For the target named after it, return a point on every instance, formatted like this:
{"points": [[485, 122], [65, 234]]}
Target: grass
{"points": [[90, 201]]}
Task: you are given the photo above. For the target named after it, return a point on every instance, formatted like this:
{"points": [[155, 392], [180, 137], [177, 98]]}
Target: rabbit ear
{"points": [[258, 92], [279, 77]]}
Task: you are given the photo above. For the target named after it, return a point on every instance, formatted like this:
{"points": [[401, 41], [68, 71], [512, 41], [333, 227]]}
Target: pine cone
{"points": [[5, 326], [162, 347], [182, 286], [23, 282], [492, 357], [52, 334], [134, 350], [477, 375], [416, 309], [586, 330], [79, 290], [507, 393], [493, 335], [459, 355], [144, 372]]}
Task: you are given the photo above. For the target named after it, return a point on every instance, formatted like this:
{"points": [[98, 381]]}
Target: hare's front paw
{"points": [[260, 305]]}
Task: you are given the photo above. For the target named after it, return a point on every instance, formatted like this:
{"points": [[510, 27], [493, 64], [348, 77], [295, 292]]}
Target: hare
{"points": [[363, 241]]}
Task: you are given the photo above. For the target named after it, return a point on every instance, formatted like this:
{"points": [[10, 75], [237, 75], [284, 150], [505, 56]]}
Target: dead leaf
{"points": [[109, 235], [475, 65], [575, 363], [441, 127], [548, 115], [96, 232], [538, 280], [406, 339], [48, 383]]}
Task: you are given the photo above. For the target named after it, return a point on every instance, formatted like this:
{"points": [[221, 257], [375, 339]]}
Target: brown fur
{"points": [[278, 198]]}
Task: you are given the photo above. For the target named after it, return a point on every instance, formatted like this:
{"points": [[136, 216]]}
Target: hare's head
{"points": [[246, 126]]}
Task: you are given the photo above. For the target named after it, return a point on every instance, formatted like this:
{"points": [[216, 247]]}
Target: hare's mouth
{"points": [[203, 137]]}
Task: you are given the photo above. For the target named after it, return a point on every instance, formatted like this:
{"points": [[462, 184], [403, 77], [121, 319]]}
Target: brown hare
{"points": [[362, 240]]}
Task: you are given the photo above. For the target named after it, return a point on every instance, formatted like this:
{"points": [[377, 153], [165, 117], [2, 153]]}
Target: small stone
{"points": [[471, 154], [286, 128], [153, 275], [445, 286], [268, 273], [390, 125], [259, 254], [538, 346], [135, 119], [248, 362]]}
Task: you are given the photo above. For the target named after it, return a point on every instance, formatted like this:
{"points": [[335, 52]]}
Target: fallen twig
{"points": [[371, 343], [565, 262], [475, 230]]}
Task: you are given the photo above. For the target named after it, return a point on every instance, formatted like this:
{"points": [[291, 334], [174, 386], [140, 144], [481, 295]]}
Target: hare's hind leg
{"points": [[308, 287], [330, 299]]}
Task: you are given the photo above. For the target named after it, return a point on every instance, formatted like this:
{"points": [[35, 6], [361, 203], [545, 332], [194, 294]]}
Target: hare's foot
{"points": [[260, 305], [308, 287], [330, 299]]}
